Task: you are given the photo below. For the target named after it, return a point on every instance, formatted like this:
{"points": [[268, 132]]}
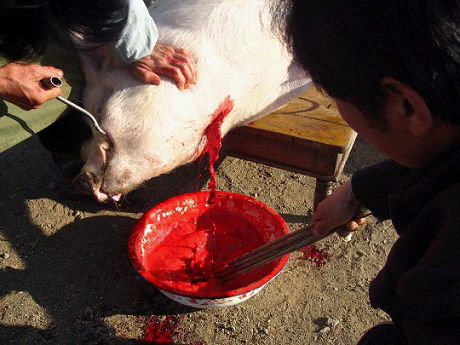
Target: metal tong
{"points": [[272, 251], [57, 82]]}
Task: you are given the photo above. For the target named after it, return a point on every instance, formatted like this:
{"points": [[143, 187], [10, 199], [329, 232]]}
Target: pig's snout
{"points": [[88, 183], [84, 183]]}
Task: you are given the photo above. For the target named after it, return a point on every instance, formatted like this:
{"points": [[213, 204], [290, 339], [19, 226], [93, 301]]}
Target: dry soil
{"points": [[65, 276]]}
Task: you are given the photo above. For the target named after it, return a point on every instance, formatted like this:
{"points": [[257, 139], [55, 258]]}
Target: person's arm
{"points": [[373, 185], [20, 84], [147, 60], [369, 187]]}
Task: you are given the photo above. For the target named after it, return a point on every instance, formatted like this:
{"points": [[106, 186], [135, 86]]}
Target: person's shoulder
{"points": [[445, 205]]}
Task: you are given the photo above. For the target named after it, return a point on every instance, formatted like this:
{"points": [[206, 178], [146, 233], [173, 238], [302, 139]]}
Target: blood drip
{"points": [[186, 257], [313, 254], [213, 144]]}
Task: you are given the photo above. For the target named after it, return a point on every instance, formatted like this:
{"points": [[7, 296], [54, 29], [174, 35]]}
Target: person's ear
{"points": [[418, 117]]}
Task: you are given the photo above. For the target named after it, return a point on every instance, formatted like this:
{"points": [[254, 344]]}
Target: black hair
{"points": [[347, 47], [24, 28], [25, 25], [97, 21]]}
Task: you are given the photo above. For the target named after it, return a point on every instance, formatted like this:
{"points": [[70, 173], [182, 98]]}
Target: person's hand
{"points": [[166, 61], [20, 84], [337, 209]]}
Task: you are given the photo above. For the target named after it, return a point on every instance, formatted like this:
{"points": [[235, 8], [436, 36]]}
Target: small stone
{"points": [[5, 256], [77, 214], [348, 238], [324, 330], [264, 331], [332, 323]]}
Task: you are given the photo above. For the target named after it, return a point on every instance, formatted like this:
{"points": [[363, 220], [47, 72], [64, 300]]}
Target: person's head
{"points": [[25, 25], [371, 54]]}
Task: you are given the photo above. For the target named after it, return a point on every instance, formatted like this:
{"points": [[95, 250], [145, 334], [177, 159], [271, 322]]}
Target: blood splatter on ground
{"points": [[163, 332], [160, 332], [316, 256]]}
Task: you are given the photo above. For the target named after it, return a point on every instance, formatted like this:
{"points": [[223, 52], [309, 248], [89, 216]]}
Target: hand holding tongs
{"points": [[57, 82]]}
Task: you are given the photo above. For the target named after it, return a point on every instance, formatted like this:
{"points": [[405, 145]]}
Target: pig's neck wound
{"points": [[213, 144]]}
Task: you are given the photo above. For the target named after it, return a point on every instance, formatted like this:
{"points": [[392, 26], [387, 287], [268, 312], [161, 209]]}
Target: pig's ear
{"points": [[92, 62]]}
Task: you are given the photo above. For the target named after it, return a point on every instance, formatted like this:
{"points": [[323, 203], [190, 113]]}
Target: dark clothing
{"points": [[383, 334], [419, 286]]}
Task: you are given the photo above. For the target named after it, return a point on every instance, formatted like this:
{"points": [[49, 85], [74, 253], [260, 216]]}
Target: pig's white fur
{"points": [[157, 128]]}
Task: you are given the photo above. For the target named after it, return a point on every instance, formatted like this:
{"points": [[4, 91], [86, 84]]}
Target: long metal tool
{"points": [[272, 251], [57, 82]]}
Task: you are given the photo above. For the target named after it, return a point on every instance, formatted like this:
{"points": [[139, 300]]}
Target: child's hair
{"points": [[348, 47], [25, 25]]}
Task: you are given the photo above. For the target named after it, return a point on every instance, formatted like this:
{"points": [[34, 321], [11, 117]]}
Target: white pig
{"points": [[155, 129]]}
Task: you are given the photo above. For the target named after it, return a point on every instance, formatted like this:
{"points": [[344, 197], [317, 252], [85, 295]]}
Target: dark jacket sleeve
{"points": [[373, 185]]}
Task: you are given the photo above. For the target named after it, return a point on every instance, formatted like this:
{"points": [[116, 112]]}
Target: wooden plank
{"points": [[307, 136], [312, 118]]}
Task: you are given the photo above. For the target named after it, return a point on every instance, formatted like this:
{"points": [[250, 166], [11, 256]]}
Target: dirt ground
{"points": [[66, 277]]}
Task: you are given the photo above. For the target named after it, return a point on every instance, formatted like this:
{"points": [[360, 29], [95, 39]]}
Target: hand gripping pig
{"points": [[242, 66]]}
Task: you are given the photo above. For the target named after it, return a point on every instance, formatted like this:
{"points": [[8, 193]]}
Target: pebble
{"points": [[332, 323], [348, 238], [5, 256], [325, 330]]}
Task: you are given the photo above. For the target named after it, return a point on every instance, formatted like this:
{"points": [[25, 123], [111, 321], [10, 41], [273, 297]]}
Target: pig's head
{"points": [[142, 127]]}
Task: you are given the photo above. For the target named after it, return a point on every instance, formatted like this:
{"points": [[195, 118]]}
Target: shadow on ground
{"points": [[81, 273]]}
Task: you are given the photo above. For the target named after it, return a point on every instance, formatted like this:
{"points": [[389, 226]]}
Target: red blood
{"points": [[213, 145], [313, 254], [184, 260], [160, 332], [193, 247]]}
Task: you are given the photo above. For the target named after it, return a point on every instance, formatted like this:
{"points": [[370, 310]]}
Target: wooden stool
{"points": [[307, 136]]}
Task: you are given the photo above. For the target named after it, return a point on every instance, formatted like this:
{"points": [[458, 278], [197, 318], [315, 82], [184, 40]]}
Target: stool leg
{"points": [[322, 190]]}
